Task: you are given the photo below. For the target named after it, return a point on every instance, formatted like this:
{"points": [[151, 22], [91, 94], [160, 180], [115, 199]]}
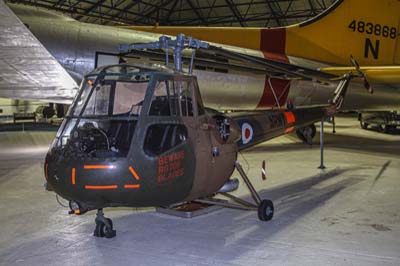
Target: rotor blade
{"points": [[202, 60], [289, 70]]}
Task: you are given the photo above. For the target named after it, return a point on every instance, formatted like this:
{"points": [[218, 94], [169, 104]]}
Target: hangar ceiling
{"points": [[244, 13]]}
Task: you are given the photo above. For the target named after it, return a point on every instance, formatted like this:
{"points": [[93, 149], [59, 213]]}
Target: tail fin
{"points": [[366, 29]]}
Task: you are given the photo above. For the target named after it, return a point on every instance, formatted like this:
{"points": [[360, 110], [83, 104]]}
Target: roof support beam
{"points": [[127, 8], [236, 13], [170, 12], [196, 11], [275, 16], [90, 9]]}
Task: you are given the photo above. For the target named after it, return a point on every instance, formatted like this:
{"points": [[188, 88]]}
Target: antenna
{"points": [[181, 43]]}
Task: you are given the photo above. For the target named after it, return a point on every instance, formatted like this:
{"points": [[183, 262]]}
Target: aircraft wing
{"points": [[27, 70], [374, 74]]}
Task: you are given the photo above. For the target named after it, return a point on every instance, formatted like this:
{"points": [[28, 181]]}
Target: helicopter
{"points": [[140, 136]]}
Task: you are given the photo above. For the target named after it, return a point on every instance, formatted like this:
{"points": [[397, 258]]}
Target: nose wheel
{"points": [[104, 226]]}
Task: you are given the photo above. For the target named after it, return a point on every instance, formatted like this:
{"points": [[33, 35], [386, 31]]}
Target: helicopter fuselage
{"points": [[134, 138]]}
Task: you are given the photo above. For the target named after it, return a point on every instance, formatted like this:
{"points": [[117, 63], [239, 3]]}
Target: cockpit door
{"points": [[194, 117], [176, 104]]}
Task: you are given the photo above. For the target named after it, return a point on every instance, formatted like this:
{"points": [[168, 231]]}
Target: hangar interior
{"points": [[344, 214], [187, 12]]}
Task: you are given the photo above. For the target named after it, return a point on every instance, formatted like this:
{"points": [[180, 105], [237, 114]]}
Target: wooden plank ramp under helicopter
{"points": [[189, 209]]}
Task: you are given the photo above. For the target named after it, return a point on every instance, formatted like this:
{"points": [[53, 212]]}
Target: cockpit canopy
{"points": [[113, 91], [121, 90], [102, 119]]}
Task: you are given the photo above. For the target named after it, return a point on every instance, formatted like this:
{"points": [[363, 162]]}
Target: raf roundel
{"points": [[247, 133]]}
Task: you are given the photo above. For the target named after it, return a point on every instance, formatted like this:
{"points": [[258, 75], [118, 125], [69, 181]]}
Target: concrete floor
{"points": [[348, 214]]}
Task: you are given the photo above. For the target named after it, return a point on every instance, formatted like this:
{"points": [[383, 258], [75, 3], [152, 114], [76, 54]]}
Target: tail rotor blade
{"points": [[361, 74]]}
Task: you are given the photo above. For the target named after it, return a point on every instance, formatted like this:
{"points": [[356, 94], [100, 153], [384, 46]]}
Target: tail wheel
{"points": [[307, 133], [363, 124], [389, 128], [265, 210]]}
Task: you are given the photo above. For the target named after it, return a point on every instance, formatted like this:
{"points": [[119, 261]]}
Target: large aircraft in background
{"points": [[316, 51]]}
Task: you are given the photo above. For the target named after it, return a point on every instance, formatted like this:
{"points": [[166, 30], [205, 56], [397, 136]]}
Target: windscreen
{"points": [[103, 117], [111, 97]]}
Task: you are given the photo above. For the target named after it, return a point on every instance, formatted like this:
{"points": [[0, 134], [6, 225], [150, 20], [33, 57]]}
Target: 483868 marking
{"points": [[373, 29]]}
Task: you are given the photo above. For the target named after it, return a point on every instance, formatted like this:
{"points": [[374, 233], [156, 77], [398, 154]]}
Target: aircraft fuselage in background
{"points": [[80, 47]]}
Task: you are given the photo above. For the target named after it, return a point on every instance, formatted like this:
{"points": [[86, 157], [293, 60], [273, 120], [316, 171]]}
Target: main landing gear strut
{"points": [[265, 207], [104, 226]]}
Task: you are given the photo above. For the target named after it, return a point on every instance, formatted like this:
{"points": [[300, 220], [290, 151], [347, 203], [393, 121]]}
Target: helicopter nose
{"points": [[140, 180], [91, 181], [104, 176]]}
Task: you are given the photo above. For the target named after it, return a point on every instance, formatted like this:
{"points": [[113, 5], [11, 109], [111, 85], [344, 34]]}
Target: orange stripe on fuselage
{"points": [[73, 176], [101, 187], [98, 166], [133, 172], [132, 186], [290, 118]]}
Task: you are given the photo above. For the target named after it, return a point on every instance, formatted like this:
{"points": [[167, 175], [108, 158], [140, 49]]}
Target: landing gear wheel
{"points": [[265, 210], [104, 226], [104, 230], [388, 128], [99, 230], [307, 133], [109, 232]]}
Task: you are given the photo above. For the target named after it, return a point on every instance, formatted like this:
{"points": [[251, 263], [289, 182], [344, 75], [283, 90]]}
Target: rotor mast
{"points": [[181, 43]]}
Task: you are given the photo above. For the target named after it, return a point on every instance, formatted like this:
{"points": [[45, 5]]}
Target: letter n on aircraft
{"points": [[370, 47]]}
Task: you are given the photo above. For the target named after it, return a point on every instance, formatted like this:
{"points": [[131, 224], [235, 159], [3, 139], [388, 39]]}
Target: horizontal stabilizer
{"points": [[27, 70]]}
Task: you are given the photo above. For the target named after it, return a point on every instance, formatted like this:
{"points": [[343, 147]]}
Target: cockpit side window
{"points": [[82, 98], [98, 103], [161, 138], [161, 102], [128, 97], [112, 97], [172, 98], [184, 92]]}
